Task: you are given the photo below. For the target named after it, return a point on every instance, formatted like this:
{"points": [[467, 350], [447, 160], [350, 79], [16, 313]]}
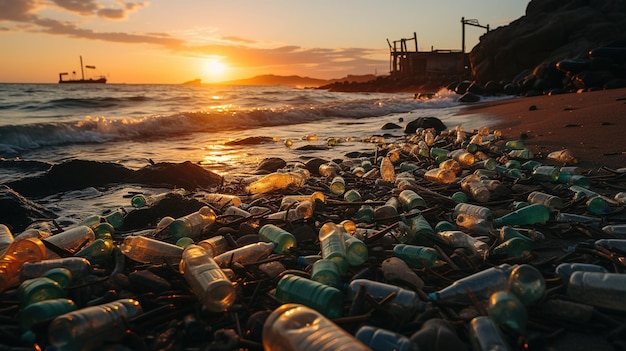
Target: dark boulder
{"points": [[424, 122], [17, 212], [469, 97], [185, 175], [271, 164], [390, 126]]}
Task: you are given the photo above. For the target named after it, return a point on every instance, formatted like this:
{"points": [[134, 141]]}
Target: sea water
{"points": [[135, 124]]}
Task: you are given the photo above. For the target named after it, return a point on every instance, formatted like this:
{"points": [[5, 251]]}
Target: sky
{"points": [[169, 42]]}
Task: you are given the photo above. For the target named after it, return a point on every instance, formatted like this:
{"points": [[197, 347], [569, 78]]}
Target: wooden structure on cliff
{"points": [[405, 63]]}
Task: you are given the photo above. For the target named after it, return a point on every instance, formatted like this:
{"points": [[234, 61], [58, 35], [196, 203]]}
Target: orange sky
{"points": [[162, 41]]}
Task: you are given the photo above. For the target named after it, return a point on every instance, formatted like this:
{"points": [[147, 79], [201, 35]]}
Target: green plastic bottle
{"points": [[274, 234], [320, 297], [531, 214], [416, 256]]}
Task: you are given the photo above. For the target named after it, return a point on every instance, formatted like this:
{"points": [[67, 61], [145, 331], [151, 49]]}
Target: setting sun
{"points": [[215, 68]]}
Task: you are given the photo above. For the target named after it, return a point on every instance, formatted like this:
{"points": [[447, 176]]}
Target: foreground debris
{"points": [[438, 241]]}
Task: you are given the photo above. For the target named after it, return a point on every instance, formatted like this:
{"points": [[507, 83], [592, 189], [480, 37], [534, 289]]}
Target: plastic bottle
{"points": [[215, 245], [387, 171], [294, 327], [473, 210], [463, 157], [389, 209], [416, 256], [551, 201], [329, 169], [505, 308], [546, 173], [620, 197], [71, 240], [276, 181], [194, 224], [39, 289], [439, 154], [459, 239], [89, 327], [482, 284], [282, 239], [415, 230], [444, 225], [409, 200], [404, 297], [515, 145], [356, 250], [379, 339], [514, 248], [42, 311], [79, 267], [147, 250], [452, 165], [323, 298], [206, 279], [485, 335], [524, 154], [333, 245], [459, 197], [571, 217], [6, 239], [598, 289], [440, 176], [365, 214], [615, 229], [221, 200], [531, 214], [326, 272], [98, 251], [18, 253], [527, 283], [615, 245], [245, 255], [338, 185], [352, 195], [598, 205], [564, 156], [565, 270]]}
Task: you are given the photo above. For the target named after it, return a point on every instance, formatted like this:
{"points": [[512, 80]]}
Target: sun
{"points": [[215, 68]]}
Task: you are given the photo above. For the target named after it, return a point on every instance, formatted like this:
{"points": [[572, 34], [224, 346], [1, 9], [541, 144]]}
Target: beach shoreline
{"points": [[589, 124]]}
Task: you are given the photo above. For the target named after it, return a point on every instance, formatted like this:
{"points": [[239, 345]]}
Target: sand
{"points": [[592, 124]]}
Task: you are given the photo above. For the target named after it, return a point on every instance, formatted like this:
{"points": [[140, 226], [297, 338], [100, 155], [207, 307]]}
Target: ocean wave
{"points": [[302, 109]]}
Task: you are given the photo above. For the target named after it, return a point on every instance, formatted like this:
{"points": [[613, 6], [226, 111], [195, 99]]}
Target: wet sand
{"points": [[592, 124]]}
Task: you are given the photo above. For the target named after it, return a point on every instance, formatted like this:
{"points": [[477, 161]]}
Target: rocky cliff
{"points": [[550, 31]]}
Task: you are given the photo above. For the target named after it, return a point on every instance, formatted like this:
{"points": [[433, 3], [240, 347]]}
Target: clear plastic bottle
{"points": [[194, 224], [333, 246], [473, 210], [147, 250], [546, 173], [245, 255], [381, 339], [206, 279], [6, 239], [615, 229], [326, 272], [459, 239], [215, 245], [565, 270], [404, 297], [221, 200], [462, 157], [598, 289], [440, 176], [18, 253], [321, 297], [387, 171], [71, 239], [288, 200], [89, 327], [415, 230], [282, 239], [551, 201], [416, 256], [615, 245], [475, 187], [294, 327], [79, 267], [531, 214], [482, 284], [276, 181], [409, 200], [485, 335]]}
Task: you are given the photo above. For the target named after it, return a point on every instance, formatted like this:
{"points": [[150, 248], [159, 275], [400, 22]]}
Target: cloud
{"points": [[94, 8], [18, 10]]}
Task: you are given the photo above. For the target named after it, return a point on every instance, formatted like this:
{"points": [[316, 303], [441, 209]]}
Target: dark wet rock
{"points": [[174, 205], [17, 212], [461, 87], [615, 83], [532, 108], [424, 122], [25, 165], [469, 97], [397, 272], [390, 126], [312, 147], [250, 141], [476, 88], [271, 164], [185, 175]]}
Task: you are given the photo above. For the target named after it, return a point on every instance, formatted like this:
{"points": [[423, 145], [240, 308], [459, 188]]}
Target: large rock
{"points": [[550, 31], [424, 122]]}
